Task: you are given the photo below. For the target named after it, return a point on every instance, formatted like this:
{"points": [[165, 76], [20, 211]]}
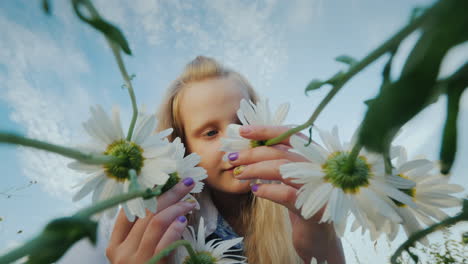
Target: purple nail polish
{"points": [[182, 219], [187, 181], [233, 156], [255, 187]]}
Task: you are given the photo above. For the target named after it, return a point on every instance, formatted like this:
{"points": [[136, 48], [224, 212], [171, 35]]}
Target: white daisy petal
{"points": [[412, 165], [311, 152], [411, 224], [316, 201], [147, 126], [280, 114], [88, 187], [399, 182]]}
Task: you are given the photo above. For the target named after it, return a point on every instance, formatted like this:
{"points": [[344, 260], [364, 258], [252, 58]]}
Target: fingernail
{"points": [[255, 187], [190, 200], [187, 181], [238, 170], [233, 156], [182, 219], [245, 130]]}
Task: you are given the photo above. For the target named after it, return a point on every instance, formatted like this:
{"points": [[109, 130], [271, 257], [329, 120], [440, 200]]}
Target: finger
{"points": [[284, 195], [261, 132], [175, 194], [159, 224], [264, 170], [173, 233], [132, 241], [262, 153], [278, 193], [121, 229]]}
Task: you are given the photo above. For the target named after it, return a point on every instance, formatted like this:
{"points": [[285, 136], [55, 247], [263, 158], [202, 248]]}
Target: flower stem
{"points": [[128, 84], [387, 46], [100, 206], [387, 163], [116, 51], [89, 158], [165, 252], [26, 249], [38, 242], [351, 161], [463, 216]]}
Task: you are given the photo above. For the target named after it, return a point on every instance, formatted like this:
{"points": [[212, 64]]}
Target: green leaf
{"points": [[59, 235], [96, 21], [347, 60], [46, 6], [314, 85], [400, 101], [455, 87]]}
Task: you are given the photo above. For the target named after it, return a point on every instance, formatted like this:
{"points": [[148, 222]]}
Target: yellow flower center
{"points": [[130, 156], [338, 176]]}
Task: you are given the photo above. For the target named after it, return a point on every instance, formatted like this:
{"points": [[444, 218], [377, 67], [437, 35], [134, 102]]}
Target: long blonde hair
{"points": [[266, 224]]}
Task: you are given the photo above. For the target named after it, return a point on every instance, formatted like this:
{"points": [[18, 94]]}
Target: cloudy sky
{"points": [[52, 69]]}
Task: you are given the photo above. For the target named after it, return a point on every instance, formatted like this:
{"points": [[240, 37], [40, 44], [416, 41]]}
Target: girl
{"points": [[199, 105]]}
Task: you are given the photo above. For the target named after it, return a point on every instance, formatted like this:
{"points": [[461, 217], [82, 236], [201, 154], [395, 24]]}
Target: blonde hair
{"points": [[266, 224]]}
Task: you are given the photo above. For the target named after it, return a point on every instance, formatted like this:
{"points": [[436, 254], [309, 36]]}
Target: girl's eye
{"points": [[211, 133]]}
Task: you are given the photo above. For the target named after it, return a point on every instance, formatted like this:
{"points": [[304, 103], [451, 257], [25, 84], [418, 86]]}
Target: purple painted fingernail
{"points": [[182, 219], [187, 181], [233, 156], [255, 187]]}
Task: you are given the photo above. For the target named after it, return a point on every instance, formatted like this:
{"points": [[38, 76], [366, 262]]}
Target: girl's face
{"points": [[206, 108]]}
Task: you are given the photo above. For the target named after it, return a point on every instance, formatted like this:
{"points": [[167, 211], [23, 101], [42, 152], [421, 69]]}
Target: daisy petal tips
{"points": [[214, 251], [326, 184], [146, 153]]}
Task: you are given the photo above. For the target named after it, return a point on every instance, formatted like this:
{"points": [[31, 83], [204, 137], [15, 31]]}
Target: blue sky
{"points": [[52, 69]]}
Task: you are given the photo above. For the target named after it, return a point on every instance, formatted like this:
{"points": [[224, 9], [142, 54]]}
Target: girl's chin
{"points": [[235, 187]]}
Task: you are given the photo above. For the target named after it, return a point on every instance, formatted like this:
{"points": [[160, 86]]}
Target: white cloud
{"points": [[243, 35], [46, 112], [302, 12]]}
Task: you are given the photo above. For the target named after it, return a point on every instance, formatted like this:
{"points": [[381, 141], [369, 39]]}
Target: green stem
{"points": [[349, 166], [89, 158], [128, 83], [26, 249], [123, 71], [114, 201], [36, 244], [387, 46], [165, 252], [417, 236], [387, 163]]}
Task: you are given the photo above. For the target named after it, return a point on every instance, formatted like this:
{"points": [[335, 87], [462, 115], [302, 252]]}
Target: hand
{"points": [[137, 242], [310, 238]]}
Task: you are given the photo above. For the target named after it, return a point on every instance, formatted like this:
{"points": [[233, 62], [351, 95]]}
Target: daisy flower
{"points": [[430, 193], [314, 261], [147, 153], [251, 114], [185, 167], [215, 251], [325, 182]]}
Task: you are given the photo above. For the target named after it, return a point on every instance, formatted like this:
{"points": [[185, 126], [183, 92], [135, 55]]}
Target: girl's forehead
{"points": [[210, 98], [213, 90]]}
